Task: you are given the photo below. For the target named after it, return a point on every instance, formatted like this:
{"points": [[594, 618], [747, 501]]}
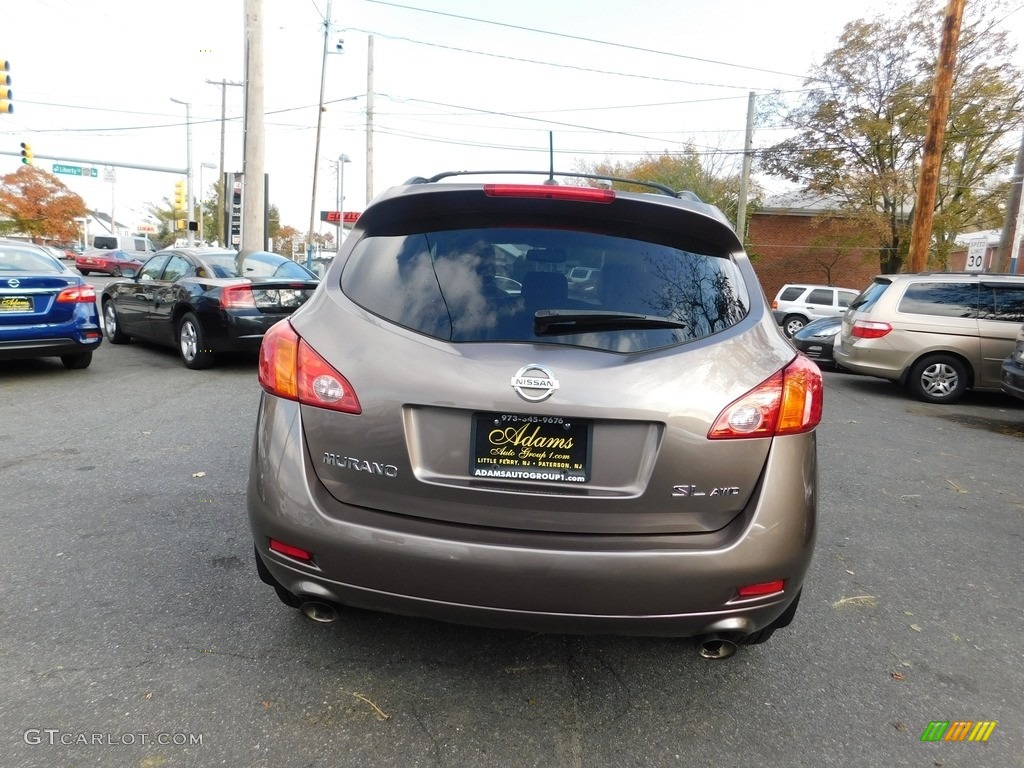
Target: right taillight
{"points": [[787, 403], [868, 329], [292, 369]]}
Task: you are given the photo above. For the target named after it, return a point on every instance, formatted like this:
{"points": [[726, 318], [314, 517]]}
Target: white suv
{"points": [[796, 305]]}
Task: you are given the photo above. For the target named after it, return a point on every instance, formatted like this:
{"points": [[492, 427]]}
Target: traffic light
{"points": [[26, 153], [6, 94], [180, 199]]}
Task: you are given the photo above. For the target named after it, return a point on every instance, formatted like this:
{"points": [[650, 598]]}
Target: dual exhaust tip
{"points": [[714, 647], [319, 612]]}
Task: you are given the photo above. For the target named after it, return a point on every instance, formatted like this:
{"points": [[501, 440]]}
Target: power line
{"points": [[566, 36], [575, 67]]}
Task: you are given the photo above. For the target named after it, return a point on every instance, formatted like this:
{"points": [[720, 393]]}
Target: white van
{"points": [[123, 243]]}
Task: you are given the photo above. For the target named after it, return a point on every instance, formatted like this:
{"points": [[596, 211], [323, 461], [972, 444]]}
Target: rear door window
{"points": [[821, 296], [455, 285]]}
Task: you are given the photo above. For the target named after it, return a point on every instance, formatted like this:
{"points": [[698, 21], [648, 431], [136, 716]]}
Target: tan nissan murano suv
{"points": [[446, 431]]}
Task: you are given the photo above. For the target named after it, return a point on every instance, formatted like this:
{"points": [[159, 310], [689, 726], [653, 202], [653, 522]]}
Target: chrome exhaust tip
{"points": [[319, 612], [715, 647]]}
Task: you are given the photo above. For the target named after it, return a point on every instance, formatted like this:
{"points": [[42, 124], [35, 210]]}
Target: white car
{"points": [[796, 304]]}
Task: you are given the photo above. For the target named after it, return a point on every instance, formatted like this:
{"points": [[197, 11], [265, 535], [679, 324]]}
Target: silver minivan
{"points": [[939, 334]]}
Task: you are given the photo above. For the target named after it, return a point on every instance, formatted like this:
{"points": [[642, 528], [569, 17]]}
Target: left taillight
{"points": [[292, 369], [77, 294], [787, 403], [237, 297]]}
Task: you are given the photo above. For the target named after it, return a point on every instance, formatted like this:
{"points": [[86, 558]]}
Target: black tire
{"points": [[756, 638], [77, 362], [938, 379], [793, 323], [116, 271], [192, 343], [112, 324], [83, 272]]}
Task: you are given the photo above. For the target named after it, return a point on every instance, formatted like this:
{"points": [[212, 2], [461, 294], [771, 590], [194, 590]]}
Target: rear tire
{"points": [[938, 379], [77, 362], [83, 272], [793, 323], [192, 344]]}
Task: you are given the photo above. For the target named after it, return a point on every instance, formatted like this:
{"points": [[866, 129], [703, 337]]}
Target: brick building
{"points": [[799, 239]]}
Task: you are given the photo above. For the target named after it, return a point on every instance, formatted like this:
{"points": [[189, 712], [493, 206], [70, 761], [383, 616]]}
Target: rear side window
{"points": [[942, 299], [792, 293], [821, 296], [488, 284], [1003, 302], [846, 297]]}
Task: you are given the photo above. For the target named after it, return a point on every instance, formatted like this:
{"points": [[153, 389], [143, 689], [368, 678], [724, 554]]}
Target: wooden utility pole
{"points": [[928, 184]]}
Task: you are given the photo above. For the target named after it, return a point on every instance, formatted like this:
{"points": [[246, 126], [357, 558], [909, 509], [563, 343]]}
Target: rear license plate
{"points": [[16, 304], [511, 446]]}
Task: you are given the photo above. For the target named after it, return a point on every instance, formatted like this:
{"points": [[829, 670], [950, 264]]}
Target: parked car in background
{"points": [[939, 334], [57, 253], [123, 243], [796, 305], [109, 262], [816, 339], [640, 462], [1012, 378], [46, 308], [204, 301]]}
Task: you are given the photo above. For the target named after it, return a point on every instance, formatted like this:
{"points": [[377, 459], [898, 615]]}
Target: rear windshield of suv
{"points": [[503, 284]]}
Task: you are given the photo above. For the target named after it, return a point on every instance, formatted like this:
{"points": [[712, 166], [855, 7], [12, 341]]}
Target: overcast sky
{"points": [[458, 84]]}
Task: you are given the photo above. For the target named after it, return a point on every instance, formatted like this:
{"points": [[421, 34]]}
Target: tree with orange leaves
{"points": [[37, 204]]}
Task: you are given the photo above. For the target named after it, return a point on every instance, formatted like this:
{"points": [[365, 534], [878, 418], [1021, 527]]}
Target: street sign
{"points": [[109, 175], [976, 250], [75, 170]]}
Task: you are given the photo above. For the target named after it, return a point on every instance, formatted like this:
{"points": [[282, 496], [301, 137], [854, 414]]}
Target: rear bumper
{"points": [[235, 332], [1012, 379], [672, 585], [19, 343]]}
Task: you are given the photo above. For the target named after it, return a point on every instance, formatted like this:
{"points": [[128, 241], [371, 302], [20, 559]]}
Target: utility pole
{"points": [[253, 169], [319, 126], [928, 184], [748, 143], [222, 236], [369, 120]]}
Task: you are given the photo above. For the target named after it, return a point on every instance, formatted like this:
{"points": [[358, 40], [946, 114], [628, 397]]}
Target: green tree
{"points": [[706, 174], [860, 126], [37, 204]]}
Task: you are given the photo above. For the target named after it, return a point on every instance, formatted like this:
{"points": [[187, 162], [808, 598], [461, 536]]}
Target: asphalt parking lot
{"points": [[137, 634]]}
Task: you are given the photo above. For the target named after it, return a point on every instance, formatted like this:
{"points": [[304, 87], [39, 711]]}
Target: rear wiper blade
{"points": [[554, 322]]}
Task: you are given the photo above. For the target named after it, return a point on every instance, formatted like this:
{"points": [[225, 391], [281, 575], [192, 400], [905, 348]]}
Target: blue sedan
{"points": [[46, 309]]}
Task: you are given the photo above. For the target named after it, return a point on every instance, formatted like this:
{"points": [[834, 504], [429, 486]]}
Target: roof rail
{"points": [[685, 195]]}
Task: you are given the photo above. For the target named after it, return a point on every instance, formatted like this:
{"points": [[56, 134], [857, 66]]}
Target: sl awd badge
{"points": [[693, 490]]}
